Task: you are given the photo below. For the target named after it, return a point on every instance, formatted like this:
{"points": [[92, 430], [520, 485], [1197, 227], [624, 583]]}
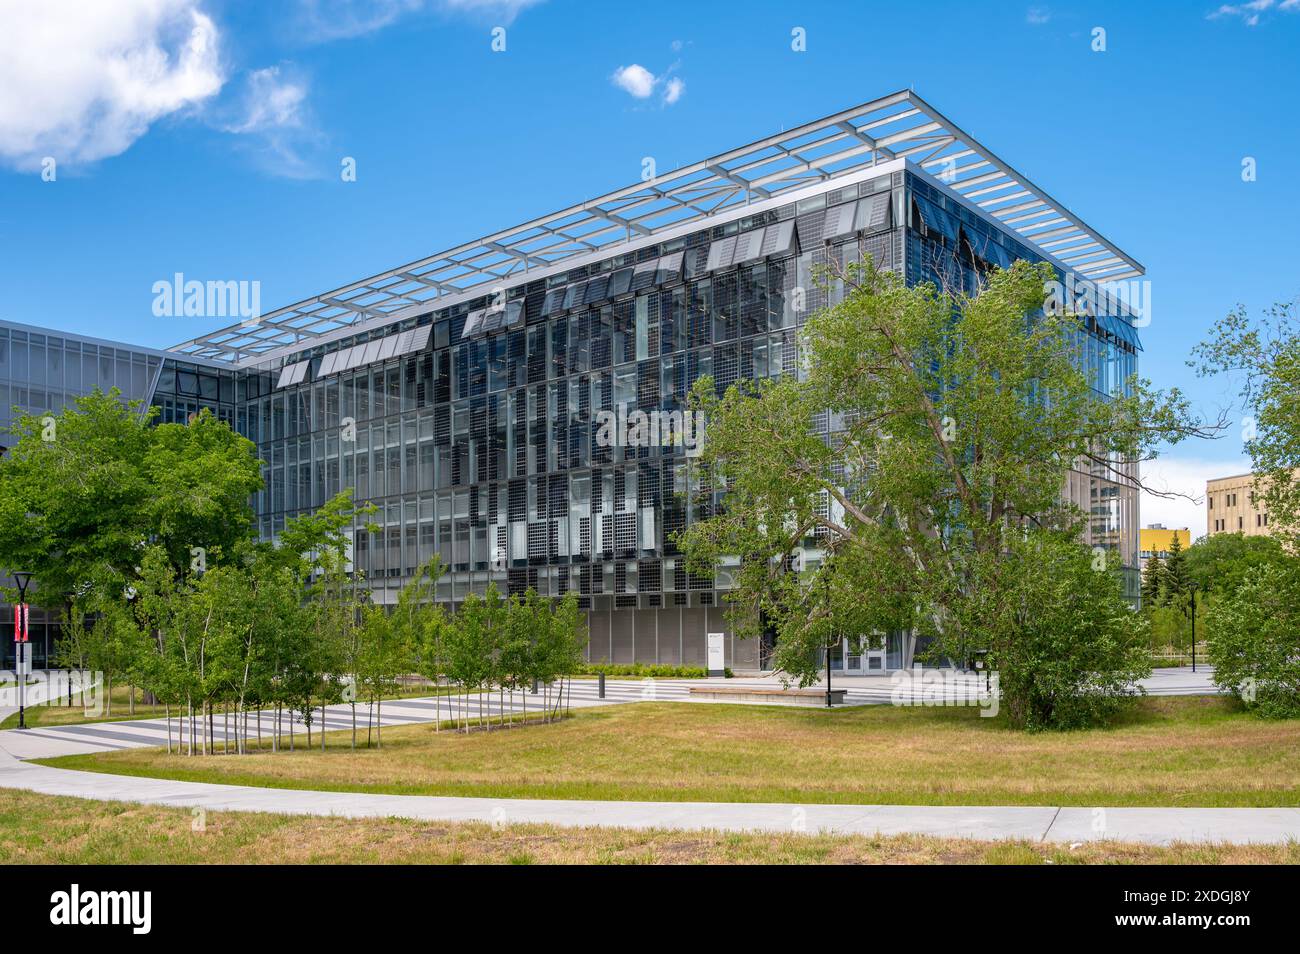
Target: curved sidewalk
{"points": [[1147, 825]]}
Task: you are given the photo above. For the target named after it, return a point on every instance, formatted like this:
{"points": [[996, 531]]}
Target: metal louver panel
{"points": [[643, 275], [721, 253], [669, 267], [749, 246], [573, 298], [619, 282], [936, 219], [779, 239], [595, 290], [873, 213], [554, 302], [472, 324], [839, 221]]}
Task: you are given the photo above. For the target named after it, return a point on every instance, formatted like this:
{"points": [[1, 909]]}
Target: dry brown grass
{"points": [[44, 829], [1196, 751]]}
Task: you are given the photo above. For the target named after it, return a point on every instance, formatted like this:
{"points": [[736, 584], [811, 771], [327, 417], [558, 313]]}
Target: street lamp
{"points": [[20, 627], [1193, 592]]}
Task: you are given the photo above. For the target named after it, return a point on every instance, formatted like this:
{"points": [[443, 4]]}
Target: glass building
{"points": [[462, 393]]}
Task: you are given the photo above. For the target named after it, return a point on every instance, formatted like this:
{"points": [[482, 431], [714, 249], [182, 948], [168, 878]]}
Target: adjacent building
{"points": [[1233, 505], [1155, 541], [462, 393]]}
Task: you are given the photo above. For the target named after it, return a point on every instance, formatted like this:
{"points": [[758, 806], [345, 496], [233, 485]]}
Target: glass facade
{"points": [[473, 428]]}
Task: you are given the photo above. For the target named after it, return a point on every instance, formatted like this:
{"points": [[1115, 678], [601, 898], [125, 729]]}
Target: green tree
{"points": [[1153, 581], [1263, 355], [1069, 647], [1254, 640], [473, 645], [956, 421], [82, 492], [1219, 562], [1176, 582]]}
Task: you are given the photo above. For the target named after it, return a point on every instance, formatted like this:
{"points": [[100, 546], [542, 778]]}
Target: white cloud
{"points": [[641, 83], [273, 117], [499, 11], [635, 79], [272, 101], [1037, 16], [83, 81], [337, 19], [1249, 13], [1183, 475]]}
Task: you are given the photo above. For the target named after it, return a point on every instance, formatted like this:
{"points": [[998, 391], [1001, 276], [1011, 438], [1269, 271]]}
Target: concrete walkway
{"points": [[1147, 825]]}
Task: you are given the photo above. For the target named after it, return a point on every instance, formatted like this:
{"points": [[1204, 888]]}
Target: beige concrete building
{"points": [[1233, 506]]}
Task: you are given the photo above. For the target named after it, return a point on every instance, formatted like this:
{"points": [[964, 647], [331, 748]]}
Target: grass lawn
{"points": [[1190, 751], [45, 829]]}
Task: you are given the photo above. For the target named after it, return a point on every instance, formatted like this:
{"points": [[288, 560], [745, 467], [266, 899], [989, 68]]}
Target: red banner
{"points": [[21, 621]]}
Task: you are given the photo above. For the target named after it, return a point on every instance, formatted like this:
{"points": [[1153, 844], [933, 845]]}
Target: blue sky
{"points": [[206, 137]]}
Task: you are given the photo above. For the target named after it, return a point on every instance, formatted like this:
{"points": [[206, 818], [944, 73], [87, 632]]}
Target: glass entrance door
{"points": [[863, 655]]}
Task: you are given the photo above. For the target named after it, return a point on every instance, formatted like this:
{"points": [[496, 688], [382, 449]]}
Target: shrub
{"points": [[1254, 640], [644, 671]]}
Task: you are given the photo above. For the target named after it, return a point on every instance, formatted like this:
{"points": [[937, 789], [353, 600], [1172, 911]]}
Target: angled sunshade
{"points": [[936, 218], [749, 246], [779, 239], [873, 213], [669, 267], [839, 220], [643, 276], [554, 302], [596, 290], [514, 316], [473, 322], [721, 253], [620, 282], [573, 298]]}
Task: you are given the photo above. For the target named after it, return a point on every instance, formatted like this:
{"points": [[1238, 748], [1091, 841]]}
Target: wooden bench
{"points": [[776, 697]]}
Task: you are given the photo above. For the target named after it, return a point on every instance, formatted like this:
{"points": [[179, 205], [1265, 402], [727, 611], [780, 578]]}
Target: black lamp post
{"points": [[1193, 592], [22, 579], [828, 675]]}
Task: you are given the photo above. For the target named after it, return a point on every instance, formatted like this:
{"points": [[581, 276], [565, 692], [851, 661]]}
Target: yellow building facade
{"points": [[1156, 540]]}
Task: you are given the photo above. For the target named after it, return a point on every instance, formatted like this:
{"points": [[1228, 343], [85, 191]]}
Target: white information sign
{"points": [[717, 659]]}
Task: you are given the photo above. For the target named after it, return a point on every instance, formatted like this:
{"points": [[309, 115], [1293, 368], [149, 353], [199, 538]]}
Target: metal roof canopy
{"points": [[899, 126]]}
